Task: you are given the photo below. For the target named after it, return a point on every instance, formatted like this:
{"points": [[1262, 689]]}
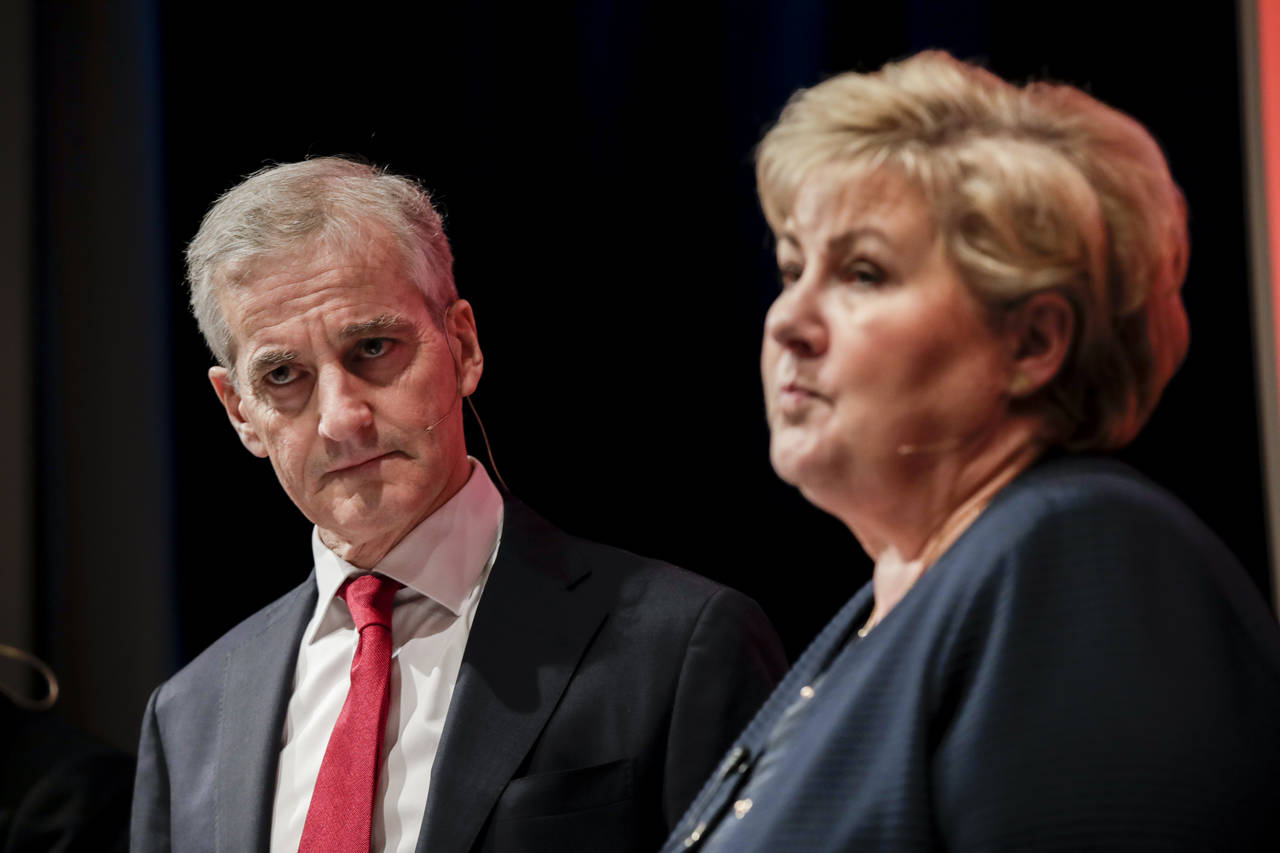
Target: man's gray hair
{"points": [[329, 202]]}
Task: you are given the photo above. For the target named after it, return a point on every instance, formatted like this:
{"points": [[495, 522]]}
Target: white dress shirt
{"points": [[443, 564]]}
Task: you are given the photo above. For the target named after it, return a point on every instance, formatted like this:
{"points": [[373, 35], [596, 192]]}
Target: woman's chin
{"points": [[802, 464]]}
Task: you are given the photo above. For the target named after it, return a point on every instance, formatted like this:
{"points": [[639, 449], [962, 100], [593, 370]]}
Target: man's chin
{"points": [[359, 513], [364, 541]]}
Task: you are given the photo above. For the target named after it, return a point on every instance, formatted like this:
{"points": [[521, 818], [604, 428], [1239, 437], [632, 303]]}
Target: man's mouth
{"points": [[361, 463]]}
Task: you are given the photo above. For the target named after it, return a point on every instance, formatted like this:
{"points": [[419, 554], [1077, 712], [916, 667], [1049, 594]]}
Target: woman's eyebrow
{"points": [[845, 240]]}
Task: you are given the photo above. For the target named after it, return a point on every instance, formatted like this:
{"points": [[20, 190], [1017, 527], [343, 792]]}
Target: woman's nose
{"points": [[795, 321]]}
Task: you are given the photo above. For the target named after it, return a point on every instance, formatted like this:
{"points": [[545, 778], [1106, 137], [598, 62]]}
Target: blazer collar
{"points": [[538, 613], [258, 673]]}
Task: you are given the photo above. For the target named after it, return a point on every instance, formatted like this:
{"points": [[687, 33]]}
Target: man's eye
{"points": [[282, 375], [374, 347]]}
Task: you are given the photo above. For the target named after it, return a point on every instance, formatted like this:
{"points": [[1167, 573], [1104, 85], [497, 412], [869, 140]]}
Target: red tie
{"points": [[340, 817]]}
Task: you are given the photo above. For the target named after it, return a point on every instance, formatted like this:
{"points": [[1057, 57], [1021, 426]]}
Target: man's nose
{"points": [[795, 320], [344, 409]]}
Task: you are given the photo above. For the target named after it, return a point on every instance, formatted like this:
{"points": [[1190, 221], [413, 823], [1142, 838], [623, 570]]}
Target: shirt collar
{"points": [[442, 558]]}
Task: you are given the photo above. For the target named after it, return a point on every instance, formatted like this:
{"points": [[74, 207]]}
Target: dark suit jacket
{"points": [[596, 692], [1087, 668]]}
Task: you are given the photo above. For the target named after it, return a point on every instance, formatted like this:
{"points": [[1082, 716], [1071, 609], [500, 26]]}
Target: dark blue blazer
{"points": [[596, 692], [1087, 668]]}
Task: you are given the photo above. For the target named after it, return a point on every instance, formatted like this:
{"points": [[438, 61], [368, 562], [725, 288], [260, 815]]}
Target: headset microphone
{"points": [[457, 371], [936, 447], [955, 442], [457, 393]]}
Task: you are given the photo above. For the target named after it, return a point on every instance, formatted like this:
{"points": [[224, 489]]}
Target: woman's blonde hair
{"points": [[1032, 188]]}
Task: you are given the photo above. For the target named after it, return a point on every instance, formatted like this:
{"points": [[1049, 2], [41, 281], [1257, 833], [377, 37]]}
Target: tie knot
{"points": [[369, 599]]}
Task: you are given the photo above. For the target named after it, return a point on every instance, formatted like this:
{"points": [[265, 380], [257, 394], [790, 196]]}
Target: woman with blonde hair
{"points": [[980, 293]]}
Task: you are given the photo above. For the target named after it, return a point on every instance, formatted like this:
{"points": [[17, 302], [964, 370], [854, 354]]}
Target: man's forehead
{"points": [[340, 310], [293, 298], [370, 259], [371, 247]]}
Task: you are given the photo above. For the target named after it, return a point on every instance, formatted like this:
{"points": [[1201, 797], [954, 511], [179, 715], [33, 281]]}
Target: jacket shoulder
{"points": [[1091, 536], [201, 674], [631, 580], [1086, 509]]}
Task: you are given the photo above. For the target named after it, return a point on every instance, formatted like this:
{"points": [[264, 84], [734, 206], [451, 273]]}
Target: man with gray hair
{"points": [[456, 674]]}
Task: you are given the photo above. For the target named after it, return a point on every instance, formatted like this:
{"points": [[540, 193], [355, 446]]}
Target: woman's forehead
{"points": [[839, 199]]}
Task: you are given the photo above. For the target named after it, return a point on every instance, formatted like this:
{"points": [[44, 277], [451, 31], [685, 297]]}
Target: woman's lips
{"points": [[793, 397]]}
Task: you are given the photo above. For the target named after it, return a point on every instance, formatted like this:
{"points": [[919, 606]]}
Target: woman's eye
{"points": [[282, 375], [863, 273], [789, 273]]}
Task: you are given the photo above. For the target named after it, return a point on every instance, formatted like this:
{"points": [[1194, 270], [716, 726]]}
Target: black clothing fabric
{"points": [[597, 690], [61, 791]]}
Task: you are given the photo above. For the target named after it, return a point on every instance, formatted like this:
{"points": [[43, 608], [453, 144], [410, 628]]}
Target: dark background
{"points": [[593, 161]]}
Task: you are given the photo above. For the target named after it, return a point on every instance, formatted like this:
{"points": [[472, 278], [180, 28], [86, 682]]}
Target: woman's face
{"points": [[877, 362]]}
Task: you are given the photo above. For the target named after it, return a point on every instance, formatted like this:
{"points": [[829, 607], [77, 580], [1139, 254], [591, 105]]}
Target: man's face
{"points": [[347, 384]]}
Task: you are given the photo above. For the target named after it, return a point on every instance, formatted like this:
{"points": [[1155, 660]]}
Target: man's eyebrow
{"points": [[381, 323], [266, 361]]}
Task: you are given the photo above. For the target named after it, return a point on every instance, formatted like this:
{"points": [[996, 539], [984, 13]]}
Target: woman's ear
{"points": [[1041, 330]]}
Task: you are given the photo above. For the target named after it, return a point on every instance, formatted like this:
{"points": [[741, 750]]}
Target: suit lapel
{"points": [[712, 800], [538, 613], [257, 683]]}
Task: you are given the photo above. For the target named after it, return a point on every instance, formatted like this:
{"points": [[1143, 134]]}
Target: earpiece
{"points": [[457, 369], [457, 373]]}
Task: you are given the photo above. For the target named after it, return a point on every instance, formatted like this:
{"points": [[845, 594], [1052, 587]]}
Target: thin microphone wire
{"points": [[457, 373], [457, 392], [487, 448]]}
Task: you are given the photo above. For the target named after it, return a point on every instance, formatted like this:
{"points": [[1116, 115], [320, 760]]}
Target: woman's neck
{"points": [[915, 533]]}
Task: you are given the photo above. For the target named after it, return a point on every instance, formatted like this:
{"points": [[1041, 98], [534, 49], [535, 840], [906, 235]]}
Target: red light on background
{"points": [[1269, 92]]}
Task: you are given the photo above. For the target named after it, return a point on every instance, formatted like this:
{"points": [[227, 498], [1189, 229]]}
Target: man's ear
{"points": [[232, 402], [1041, 331], [464, 344]]}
